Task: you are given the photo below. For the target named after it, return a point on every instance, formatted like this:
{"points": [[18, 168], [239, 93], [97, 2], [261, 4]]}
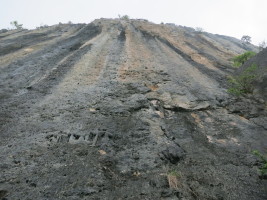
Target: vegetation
{"points": [[246, 39], [125, 17], [42, 26], [172, 177], [263, 169], [242, 84], [262, 45], [241, 59], [199, 29], [174, 173], [16, 25]]}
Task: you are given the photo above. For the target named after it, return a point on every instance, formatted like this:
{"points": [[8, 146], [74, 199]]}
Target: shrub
{"points": [[16, 25], [241, 59], [242, 83], [262, 45], [263, 169], [172, 177], [42, 26], [199, 29], [125, 17]]}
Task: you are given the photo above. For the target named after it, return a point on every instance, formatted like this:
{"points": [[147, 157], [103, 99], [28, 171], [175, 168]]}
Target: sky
{"points": [[226, 17]]}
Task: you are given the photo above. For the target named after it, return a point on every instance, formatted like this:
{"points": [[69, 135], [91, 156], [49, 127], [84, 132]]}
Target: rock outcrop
{"points": [[108, 110]]}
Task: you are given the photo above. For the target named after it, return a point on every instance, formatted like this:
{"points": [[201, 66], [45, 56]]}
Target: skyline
{"points": [[232, 18]]}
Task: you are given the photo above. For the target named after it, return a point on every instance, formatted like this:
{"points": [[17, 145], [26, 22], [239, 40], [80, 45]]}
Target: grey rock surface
{"points": [[107, 110]]}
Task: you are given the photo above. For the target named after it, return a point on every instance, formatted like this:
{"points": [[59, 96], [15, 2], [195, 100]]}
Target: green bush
{"points": [[16, 25], [242, 84], [125, 17], [241, 59], [263, 169]]}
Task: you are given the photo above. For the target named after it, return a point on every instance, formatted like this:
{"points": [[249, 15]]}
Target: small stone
{"points": [[3, 193], [261, 100], [166, 193], [102, 152], [136, 156], [33, 184], [92, 110], [174, 153]]}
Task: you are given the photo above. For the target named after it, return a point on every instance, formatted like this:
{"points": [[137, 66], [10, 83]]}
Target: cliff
{"points": [[116, 108]]}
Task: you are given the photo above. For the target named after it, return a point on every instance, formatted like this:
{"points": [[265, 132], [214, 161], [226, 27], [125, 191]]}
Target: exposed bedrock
{"points": [[126, 109]]}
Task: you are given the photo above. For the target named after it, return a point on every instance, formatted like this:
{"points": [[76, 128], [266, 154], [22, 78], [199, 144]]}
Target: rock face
{"points": [[107, 110]]}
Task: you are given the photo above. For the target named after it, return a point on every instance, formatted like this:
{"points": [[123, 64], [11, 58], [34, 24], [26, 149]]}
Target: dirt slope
{"points": [[108, 110]]}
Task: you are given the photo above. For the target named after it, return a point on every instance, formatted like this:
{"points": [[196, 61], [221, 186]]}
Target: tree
{"points": [[262, 45], [246, 39], [16, 25], [199, 29]]}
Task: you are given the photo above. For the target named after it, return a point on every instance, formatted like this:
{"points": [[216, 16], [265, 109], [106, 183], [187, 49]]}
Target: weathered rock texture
{"points": [[107, 110]]}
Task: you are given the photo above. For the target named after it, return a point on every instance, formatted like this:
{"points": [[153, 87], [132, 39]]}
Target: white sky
{"points": [[227, 17]]}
